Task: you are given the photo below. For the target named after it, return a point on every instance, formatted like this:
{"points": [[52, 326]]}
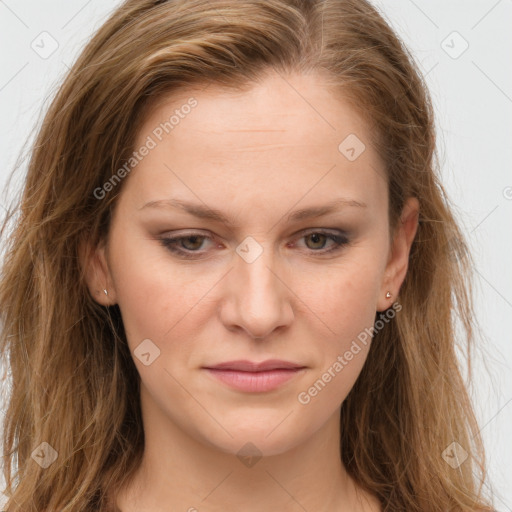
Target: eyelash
{"points": [[340, 240]]}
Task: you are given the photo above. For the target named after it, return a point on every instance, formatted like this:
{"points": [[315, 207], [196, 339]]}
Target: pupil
{"points": [[193, 239], [315, 236]]}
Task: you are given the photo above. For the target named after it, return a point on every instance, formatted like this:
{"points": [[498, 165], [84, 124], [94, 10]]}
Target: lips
{"points": [[254, 377], [251, 366]]}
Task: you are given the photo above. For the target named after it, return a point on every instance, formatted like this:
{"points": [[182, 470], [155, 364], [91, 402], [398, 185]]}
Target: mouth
{"points": [[253, 377]]}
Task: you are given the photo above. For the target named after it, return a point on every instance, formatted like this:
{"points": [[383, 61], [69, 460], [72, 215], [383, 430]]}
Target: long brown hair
{"points": [[73, 378]]}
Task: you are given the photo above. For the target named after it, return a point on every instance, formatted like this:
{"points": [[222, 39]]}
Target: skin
{"points": [[257, 156]]}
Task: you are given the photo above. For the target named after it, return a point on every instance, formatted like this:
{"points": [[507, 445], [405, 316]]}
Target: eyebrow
{"points": [[204, 212]]}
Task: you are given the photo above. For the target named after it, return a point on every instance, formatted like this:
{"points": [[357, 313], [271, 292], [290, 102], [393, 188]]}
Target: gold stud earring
{"points": [[388, 295]]}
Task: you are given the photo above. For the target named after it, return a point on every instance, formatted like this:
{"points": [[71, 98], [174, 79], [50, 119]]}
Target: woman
{"points": [[177, 339]]}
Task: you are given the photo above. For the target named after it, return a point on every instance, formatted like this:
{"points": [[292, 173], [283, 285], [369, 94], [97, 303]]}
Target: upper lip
{"points": [[252, 366]]}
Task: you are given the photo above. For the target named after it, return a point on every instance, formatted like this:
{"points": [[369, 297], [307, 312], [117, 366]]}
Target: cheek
{"points": [[153, 293], [345, 297], [345, 302]]}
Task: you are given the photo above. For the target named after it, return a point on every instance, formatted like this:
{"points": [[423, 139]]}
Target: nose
{"points": [[256, 299]]}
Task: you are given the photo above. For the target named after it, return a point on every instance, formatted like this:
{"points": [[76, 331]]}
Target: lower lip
{"points": [[255, 382]]}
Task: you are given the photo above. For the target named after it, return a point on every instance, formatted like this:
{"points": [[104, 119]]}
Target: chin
{"points": [[265, 437], [255, 444]]}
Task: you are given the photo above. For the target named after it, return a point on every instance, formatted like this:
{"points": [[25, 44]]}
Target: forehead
{"points": [[294, 106], [283, 134]]}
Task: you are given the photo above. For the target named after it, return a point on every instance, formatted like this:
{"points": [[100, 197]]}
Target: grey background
{"points": [[472, 92]]}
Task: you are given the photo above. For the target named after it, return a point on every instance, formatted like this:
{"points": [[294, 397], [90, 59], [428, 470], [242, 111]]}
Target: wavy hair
{"points": [[72, 377]]}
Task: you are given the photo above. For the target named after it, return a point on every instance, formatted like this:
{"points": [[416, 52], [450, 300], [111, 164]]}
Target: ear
{"points": [[396, 267], [97, 273]]}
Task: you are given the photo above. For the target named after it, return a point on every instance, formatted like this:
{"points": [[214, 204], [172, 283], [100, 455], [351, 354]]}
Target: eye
{"points": [[189, 245], [318, 240], [184, 244]]}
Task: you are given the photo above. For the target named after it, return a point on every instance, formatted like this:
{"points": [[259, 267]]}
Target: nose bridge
{"points": [[260, 301], [254, 271], [254, 267]]}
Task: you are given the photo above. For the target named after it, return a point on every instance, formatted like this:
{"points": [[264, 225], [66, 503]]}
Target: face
{"points": [[256, 229]]}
